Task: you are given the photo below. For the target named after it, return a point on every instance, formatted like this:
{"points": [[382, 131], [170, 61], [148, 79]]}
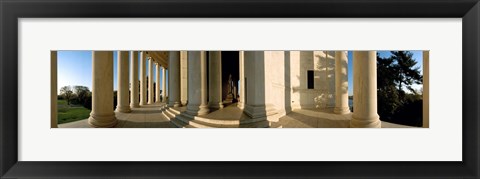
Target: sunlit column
{"points": [[258, 102], [183, 77], [341, 83], [122, 88], [174, 79], [365, 90], [143, 79], [197, 83], [102, 114], [134, 79], [53, 90], [150, 81], [164, 85], [157, 83], [241, 102], [215, 80]]}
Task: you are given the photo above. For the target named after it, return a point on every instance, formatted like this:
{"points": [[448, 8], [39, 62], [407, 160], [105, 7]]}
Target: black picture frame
{"points": [[11, 10]]}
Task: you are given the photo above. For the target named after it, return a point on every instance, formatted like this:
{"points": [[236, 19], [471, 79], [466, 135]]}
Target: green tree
{"points": [[82, 93], [387, 93], [84, 96], [406, 72], [67, 93], [395, 74]]}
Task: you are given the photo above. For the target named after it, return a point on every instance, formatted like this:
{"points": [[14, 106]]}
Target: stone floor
{"points": [[149, 116]]}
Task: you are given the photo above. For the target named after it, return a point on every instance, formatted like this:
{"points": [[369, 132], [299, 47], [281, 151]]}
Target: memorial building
{"points": [[256, 87]]}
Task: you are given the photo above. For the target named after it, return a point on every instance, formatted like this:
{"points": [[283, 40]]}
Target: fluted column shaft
{"points": [[215, 80], [183, 77], [341, 83], [174, 79], [150, 81], [197, 83], [365, 90], [102, 114], [143, 79], [157, 83], [241, 60], [122, 88], [134, 79], [164, 85]]}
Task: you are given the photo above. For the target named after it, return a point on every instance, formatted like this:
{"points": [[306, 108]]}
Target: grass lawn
{"points": [[69, 114]]}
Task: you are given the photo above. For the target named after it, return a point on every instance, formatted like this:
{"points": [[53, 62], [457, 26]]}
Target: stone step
{"points": [[169, 113], [180, 124], [202, 124], [225, 121], [185, 120], [164, 112], [260, 124], [166, 116], [173, 110]]}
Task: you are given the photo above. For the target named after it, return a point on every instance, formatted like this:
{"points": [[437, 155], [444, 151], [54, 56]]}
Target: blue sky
{"points": [[75, 68], [417, 56]]}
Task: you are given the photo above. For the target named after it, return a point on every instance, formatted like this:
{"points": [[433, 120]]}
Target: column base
{"points": [[196, 110], [341, 110], [218, 105], [134, 105], [241, 105], [372, 122], [174, 104], [259, 111], [102, 120], [123, 109], [229, 98], [142, 103]]}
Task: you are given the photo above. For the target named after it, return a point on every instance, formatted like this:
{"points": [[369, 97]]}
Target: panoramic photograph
{"points": [[239, 89]]}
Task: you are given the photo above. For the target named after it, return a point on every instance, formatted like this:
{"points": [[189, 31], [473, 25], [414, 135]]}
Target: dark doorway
{"points": [[230, 65]]}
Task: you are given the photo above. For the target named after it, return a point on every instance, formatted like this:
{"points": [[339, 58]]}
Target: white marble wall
{"points": [[323, 64]]}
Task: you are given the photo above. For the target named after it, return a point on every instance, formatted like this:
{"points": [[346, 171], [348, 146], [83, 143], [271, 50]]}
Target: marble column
{"points": [[215, 80], [157, 84], [365, 90], [183, 77], [143, 79], [102, 114], [241, 102], [53, 90], [134, 79], [174, 79], [150, 81], [122, 88], [167, 83], [258, 104], [164, 85], [341, 83], [426, 89], [197, 86]]}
